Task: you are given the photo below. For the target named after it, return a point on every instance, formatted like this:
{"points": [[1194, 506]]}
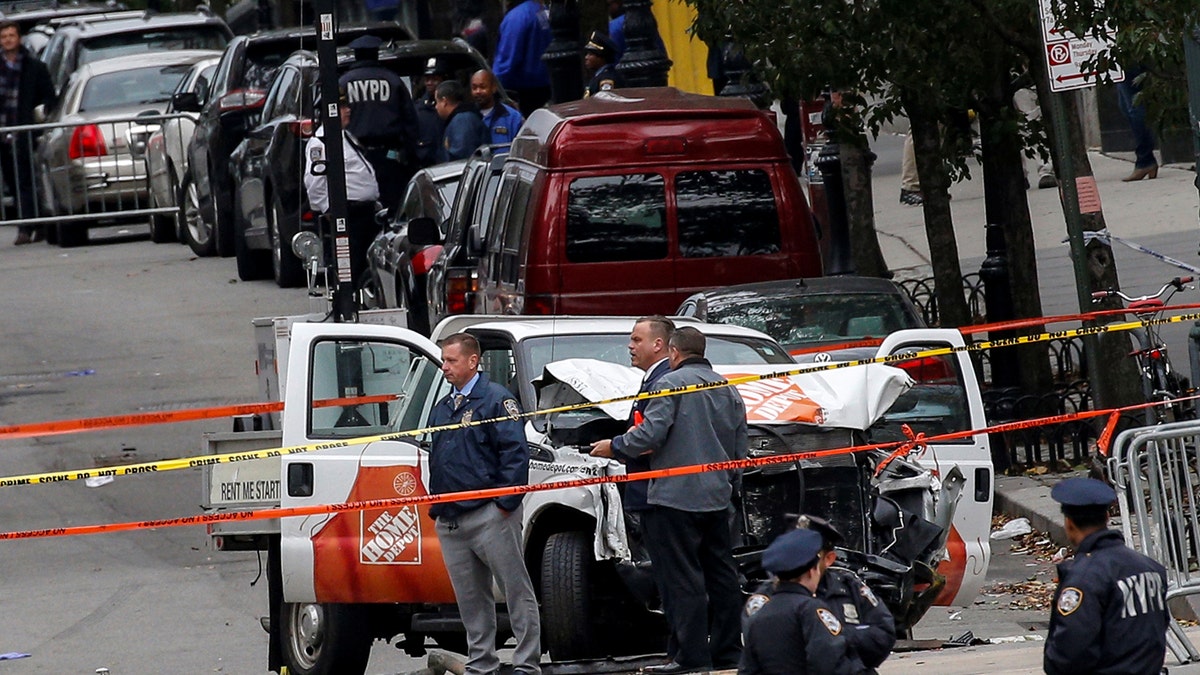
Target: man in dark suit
{"points": [[647, 351], [24, 85]]}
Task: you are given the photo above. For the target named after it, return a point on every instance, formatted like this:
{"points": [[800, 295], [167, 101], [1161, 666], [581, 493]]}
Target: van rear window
{"points": [[617, 218], [726, 213]]}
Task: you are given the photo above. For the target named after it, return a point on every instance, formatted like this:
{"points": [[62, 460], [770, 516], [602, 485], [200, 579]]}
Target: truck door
{"points": [[946, 399], [348, 381]]}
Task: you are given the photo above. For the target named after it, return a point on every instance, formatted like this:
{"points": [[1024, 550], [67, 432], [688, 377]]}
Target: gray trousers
{"points": [[476, 546]]}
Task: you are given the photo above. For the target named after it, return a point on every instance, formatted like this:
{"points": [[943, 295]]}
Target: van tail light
{"points": [[87, 141], [240, 99], [422, 260], [301, 128], [460, 286], [929, 370], [307, 216], [539, 304]]}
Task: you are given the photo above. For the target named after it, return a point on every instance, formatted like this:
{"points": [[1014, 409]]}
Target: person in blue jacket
{"points": [[465, 130], [1110, 608], [481, 538], [616, 29], [501, 119], [524, 35]]}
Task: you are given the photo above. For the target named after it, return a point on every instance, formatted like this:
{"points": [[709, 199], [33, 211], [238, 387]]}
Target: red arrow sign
{"points": [[1075, 76]]}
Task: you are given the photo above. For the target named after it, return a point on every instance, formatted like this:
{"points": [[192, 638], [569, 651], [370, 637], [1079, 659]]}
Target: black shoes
{"points": [[911, 197], [1047, 181]]}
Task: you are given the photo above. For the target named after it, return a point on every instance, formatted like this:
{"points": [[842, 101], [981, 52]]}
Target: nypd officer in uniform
{"points": [[1110, 609], [383, 120], [599, 57], [481, 538], [870, 629], [795, 633]]}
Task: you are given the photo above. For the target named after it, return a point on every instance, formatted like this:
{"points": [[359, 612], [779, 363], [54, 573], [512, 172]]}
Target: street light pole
{"points": [[562, 56], [645, 63]]}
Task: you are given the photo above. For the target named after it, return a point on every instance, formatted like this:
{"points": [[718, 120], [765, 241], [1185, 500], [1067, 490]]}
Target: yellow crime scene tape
{"points": [[266, 453]]}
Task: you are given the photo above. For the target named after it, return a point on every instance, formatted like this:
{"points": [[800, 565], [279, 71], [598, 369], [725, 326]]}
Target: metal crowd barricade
{"points": [[1156, 471], [84, 172]]}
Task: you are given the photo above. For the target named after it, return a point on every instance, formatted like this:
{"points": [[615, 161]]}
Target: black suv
{"points": [[234, 102], [89, 38]]}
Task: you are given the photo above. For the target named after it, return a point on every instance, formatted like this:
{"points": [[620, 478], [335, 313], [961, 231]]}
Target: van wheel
{"points": [[566, 600], [325, 639], [288, 269]]}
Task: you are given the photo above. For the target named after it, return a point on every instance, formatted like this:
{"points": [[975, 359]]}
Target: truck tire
{"points": [[566, 597], [325, 639]]}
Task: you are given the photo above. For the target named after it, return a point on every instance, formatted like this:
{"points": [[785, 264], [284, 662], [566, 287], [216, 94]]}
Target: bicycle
{"points": [[1160, 382]]}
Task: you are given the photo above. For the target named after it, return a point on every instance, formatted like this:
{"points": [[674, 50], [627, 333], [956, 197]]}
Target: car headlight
{"points": [[307, 246]]}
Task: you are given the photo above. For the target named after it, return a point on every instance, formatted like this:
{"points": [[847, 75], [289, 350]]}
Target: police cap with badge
{"points": [[436, 66], [830, 536], [365, 43], [601, 45], [1083, 496], [792, 553]]}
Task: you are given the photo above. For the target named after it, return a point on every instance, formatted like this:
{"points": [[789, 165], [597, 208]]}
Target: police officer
{"points": [[481, 538], [599, 57], [795, 633], [430, 125], [383, 119], [1110, 609], [870, 628]]}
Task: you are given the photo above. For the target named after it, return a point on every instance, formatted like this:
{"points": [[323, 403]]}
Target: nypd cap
{"points": [[601, 45], [366, 42], [436, 66], [792, 550], [1083, 492], [828, 532]]}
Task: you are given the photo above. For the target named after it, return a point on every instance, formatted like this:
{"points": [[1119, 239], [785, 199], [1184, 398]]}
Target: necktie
{"points": [[458, 400]]}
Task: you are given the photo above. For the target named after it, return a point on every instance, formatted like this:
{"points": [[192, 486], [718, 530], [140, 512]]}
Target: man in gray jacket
{"points": [[688, 526]]}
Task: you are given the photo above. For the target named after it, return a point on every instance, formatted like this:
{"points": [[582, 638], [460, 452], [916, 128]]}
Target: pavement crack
{"points": [[915, 251]]}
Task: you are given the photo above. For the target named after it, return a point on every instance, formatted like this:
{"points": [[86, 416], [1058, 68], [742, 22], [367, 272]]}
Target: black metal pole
{"points": [[645, 62], [562, 55], [997, 298], [829, 163], [341, 281], [740, 79]]}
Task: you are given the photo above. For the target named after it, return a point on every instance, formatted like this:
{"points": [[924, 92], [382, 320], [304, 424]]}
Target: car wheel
{"points": [[196, 231], [369, 295], [325, 639], [162, 225], [71, 235], [223, 229], [288, 269], [566, 599]]}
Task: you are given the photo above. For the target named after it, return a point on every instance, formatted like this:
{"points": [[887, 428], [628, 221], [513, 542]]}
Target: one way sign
{"points": [[1066, 54]]}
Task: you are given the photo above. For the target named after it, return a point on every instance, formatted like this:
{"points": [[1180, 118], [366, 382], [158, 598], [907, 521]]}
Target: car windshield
{"points": [[815, 319], [614, 349], [121, 44], [140, 86]]}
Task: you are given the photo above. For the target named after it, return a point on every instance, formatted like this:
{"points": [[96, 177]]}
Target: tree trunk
{"points": [[939, 224], [860, 210]]}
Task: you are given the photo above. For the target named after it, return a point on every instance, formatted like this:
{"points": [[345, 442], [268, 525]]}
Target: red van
{"points": [[632, 200]]}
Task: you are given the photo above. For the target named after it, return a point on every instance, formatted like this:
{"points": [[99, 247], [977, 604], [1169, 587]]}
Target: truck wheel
{"points": [[566, 600], [325, 639]]}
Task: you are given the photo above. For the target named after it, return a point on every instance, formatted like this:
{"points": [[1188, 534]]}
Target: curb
{"points": [[1026, 497]]}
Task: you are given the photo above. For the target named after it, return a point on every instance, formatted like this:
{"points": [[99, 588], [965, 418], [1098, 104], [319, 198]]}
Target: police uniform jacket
{"points": [[429, 130], [465, 131], [795, 634], [605, 79], [478, 457], [699, 427], [381, 110], [360, 177], [1110, 611], [503, 122], [524, 36]]}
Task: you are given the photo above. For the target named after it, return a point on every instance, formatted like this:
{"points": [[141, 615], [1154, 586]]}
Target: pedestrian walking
{"points": [[1110, 608], [384, 121], [24, 85], [599, 57], [687, 529], [1144, 163], [465, 130], [795, 632], [501, 119], [870, 629], [524, 35], [362, 189], [481, 538], [429, 124]]}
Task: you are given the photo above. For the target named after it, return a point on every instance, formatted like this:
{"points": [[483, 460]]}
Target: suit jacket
{"points": [[635, 492]]}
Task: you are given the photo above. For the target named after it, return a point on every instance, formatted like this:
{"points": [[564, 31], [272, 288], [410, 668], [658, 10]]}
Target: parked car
{"points": [[453, 278], [398, 268], [85, 39], [233, 108], [166, 152], [95, 160], [37, 21], [807, 315], [268, 163]]}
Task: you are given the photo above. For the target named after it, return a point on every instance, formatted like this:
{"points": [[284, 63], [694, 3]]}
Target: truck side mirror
{"points": [[186, 101], [474, 241], [423, 232]]}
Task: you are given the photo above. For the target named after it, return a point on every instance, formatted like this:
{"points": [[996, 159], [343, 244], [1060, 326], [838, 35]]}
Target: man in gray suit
{"points": [[687, 527]]}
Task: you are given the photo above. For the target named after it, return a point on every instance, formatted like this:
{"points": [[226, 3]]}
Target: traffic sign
{"points": [[1066, 54]]}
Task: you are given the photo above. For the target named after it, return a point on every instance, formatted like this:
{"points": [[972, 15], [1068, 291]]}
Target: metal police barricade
{"points": [[68, 176], [1156, 471]]}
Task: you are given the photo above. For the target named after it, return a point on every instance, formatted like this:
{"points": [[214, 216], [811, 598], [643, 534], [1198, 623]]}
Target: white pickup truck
{"points": [[917, 532]]}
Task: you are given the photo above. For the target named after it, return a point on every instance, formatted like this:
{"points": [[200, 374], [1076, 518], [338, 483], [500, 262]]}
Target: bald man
{"points": [[501, 119]]}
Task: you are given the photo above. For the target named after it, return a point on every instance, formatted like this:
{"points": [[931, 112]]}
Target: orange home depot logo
{"points": [[778, 400], [391, 538]]}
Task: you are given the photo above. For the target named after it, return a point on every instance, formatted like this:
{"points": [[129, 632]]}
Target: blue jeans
{"points": [[1136, 114]]}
